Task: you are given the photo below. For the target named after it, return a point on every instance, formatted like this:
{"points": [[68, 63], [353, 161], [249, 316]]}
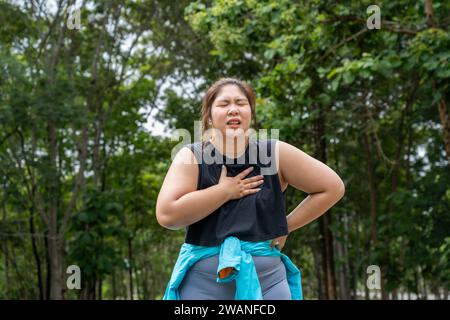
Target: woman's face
{"points": [[230, 104]]}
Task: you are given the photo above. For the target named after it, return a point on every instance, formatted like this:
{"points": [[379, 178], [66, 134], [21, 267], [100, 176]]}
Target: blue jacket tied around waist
{"points": [[237, 254]]}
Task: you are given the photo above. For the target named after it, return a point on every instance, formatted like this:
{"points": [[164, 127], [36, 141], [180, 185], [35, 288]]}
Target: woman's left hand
{"points": [[279, 242]]}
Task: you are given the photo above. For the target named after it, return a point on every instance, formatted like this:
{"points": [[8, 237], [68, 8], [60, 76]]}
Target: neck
{"points": [[230, 147]]}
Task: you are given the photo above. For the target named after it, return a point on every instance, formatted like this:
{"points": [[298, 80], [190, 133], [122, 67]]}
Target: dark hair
{"points": [[214, 90]]}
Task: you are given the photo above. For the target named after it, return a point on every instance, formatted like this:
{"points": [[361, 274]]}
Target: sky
{"points": [[185, 89]]}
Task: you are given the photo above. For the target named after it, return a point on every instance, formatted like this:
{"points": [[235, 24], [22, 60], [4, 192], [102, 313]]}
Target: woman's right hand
{"points": [[237, 187]]}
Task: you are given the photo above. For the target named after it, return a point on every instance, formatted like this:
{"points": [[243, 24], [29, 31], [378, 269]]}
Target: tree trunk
{"points": [[429, 12], [372, 189], [346, 257], [56, 279], [417, 283], [130, 268], [342, 276], [7, 281], [49, 270], [145, 278], [113, 284], [53, 238], [318, 268], [99, 289], [325, 219], [56, 269], [36, 256], [445, 122], [5, 250], [371, 181], [358, 272]]}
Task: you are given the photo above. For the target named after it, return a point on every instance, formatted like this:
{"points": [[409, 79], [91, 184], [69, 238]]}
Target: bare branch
{"points": [[79, 180]]}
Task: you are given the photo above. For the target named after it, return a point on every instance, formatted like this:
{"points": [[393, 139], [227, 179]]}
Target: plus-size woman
{"points": [[228, 192]]}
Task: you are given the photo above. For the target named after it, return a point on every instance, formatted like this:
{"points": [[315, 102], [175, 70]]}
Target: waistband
{"points": [[262, 264]]}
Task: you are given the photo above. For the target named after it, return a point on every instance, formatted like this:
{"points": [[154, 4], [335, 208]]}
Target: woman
{"points": [[232, 204]]}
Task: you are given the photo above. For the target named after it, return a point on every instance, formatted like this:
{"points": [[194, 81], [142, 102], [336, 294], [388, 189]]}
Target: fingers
{"points": [[250, 191], [223, 172], [253, 184], [254, 179], [276, 244]]}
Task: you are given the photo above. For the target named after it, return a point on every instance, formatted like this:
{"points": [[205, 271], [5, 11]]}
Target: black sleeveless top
{"points": [[256, 217]]}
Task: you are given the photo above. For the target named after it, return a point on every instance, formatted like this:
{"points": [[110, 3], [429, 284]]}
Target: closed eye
{"points": [[239, 104]]}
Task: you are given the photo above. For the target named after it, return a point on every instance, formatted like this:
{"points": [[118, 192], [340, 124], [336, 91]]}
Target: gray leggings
{"points": [[200, 282]]}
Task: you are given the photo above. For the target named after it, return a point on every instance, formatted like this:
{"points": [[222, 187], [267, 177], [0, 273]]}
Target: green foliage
{"points": [[385, 83], [95, 232], [73, 98]]}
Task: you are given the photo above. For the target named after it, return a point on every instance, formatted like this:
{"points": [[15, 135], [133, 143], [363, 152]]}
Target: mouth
{"points": [[233, 123]]}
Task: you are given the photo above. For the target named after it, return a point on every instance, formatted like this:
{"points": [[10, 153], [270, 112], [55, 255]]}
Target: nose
{"points": [[233, 109]]}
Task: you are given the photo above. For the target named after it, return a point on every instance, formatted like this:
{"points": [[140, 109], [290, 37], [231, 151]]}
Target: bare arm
{"points": [[310, 175], [180, 204]]}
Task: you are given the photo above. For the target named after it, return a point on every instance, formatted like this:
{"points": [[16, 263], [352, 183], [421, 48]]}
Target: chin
{"points": [[238, 132]]}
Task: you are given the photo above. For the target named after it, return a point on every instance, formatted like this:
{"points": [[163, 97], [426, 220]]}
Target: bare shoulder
{"points": [[181, 178], [303, 171], [184, 156]]}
